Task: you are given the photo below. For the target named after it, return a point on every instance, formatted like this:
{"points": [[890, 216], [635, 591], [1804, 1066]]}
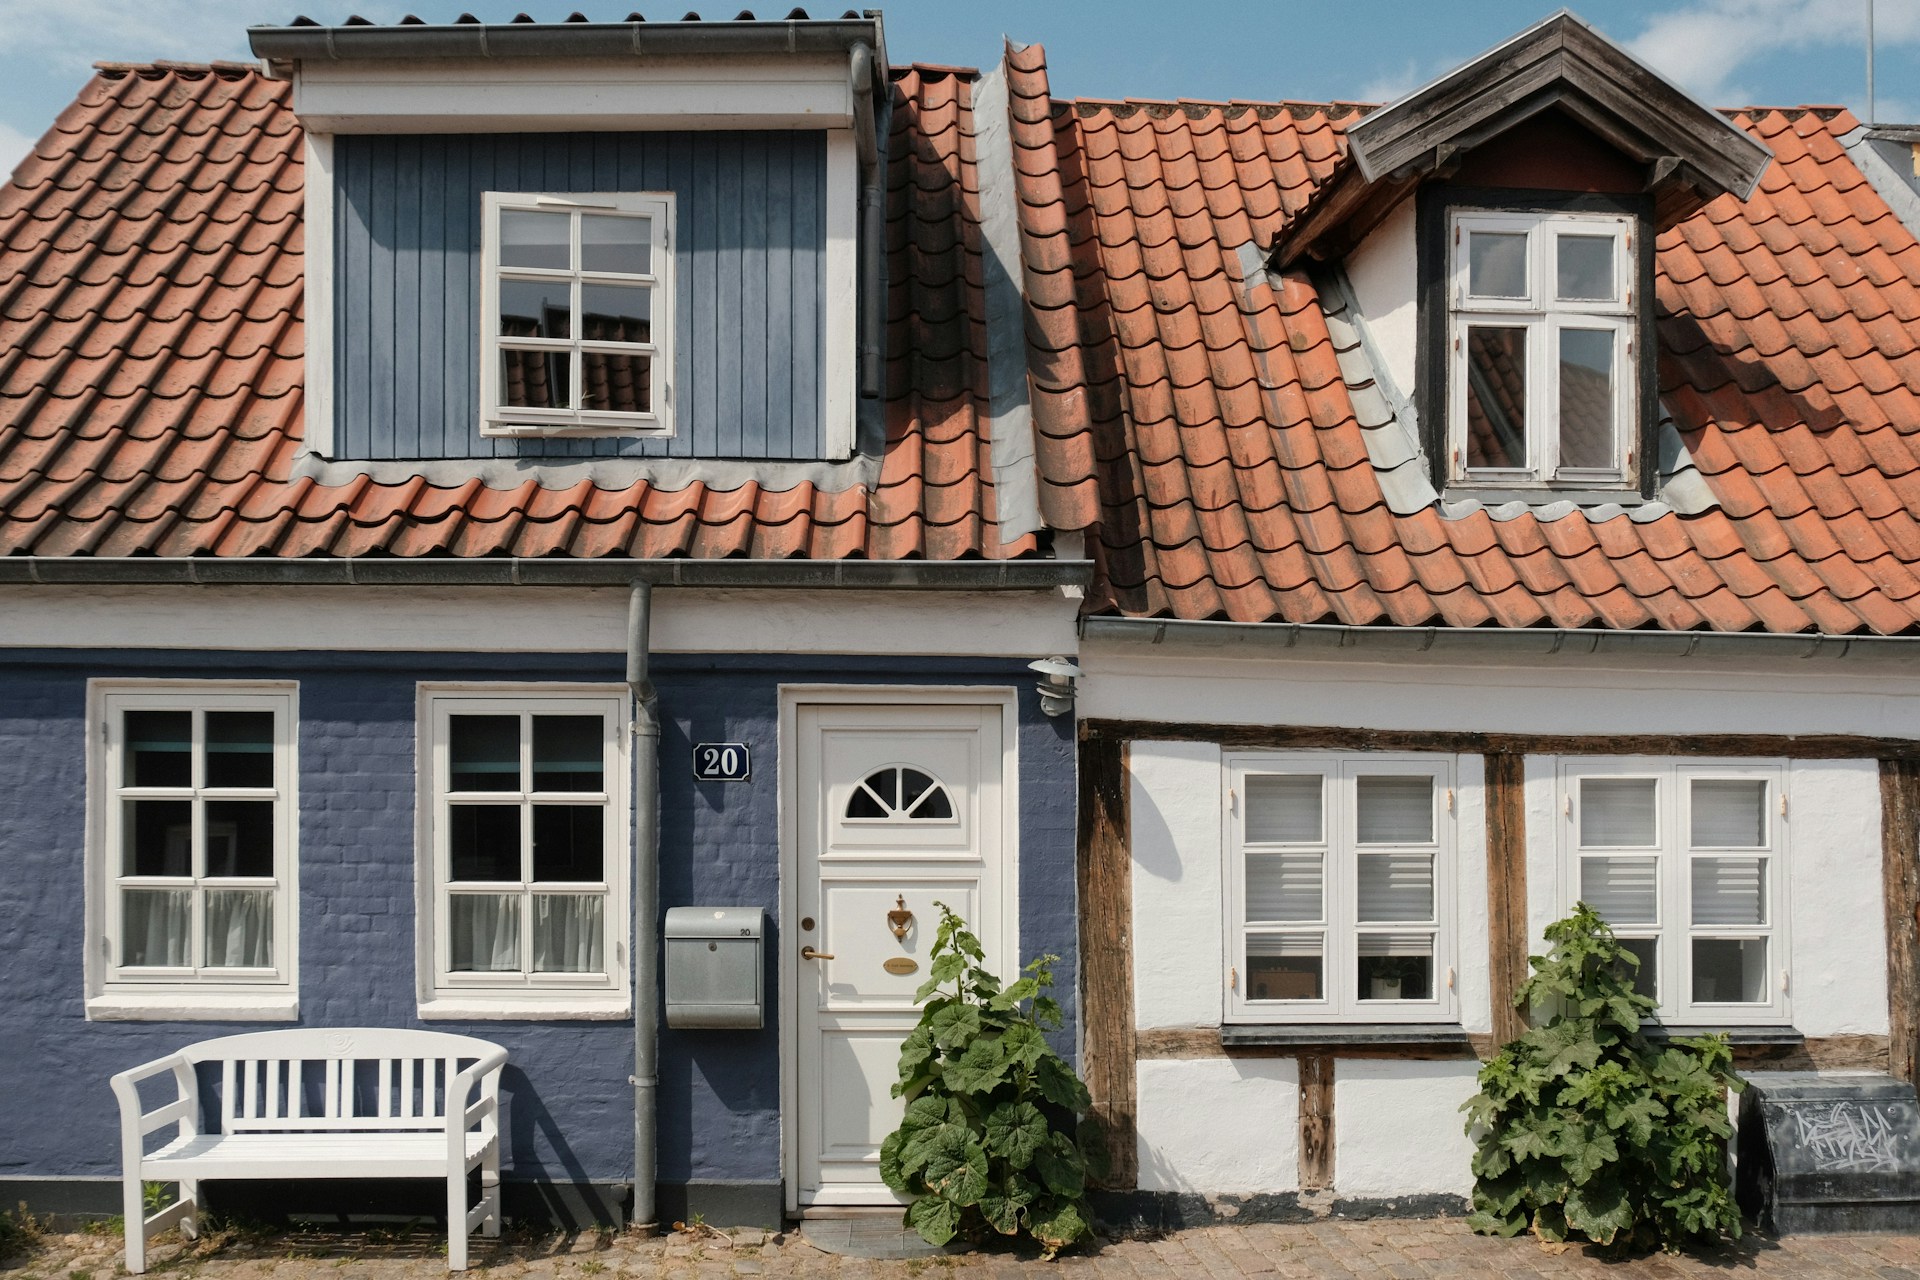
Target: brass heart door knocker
{"points": [[900, 919]]}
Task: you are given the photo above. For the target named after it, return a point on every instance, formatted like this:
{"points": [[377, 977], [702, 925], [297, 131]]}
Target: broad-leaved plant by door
{"points": [[988, 1137], [1586, 1128]]}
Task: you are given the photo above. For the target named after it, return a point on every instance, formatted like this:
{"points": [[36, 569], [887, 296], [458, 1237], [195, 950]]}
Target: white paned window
{"points": [[1686, 861], [1339, 889], [1541, 350], [193, 857], [526, 840], [576, 333]]}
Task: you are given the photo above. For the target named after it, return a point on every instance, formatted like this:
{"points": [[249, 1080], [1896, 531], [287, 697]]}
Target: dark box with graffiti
{"points": [[1829, 1152]]}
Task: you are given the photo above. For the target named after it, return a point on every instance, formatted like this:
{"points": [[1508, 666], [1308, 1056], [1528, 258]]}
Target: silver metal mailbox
{"points": [[714, 966]]}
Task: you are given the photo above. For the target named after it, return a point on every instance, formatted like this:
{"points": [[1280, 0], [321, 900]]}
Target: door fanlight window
{"points": [[900, 793]]}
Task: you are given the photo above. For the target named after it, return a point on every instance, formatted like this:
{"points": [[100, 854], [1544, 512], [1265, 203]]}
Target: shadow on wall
{"points": [[526, 1118], [1151, 839]]}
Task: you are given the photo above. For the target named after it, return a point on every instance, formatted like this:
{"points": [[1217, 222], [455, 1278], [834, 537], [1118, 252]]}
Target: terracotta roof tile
{"points": [[151, 351], [1789, 330]]}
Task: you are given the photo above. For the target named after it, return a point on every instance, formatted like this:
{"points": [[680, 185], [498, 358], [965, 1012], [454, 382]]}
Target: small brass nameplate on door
{"points": [[900, 964]]}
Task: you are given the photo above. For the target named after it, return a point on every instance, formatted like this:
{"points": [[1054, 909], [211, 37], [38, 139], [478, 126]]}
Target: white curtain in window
{"points": [[154, 927], [1284, 886], [485, 930], [1730, 891], [567, 934], [1394, 810], [1729, 813], [1622, 890], [1618, 813], [240, 929], [1395, 886], [1283, 808]]}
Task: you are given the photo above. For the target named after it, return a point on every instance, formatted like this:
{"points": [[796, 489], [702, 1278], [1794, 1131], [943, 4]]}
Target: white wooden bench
{"points": [[320, 1103]]}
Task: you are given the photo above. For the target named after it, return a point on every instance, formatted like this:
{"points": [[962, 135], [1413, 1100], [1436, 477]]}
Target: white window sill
{"points": [[520, 1007], [193, 1006]]}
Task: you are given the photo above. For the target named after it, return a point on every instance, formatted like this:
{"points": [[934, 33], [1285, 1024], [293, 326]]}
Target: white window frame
{"points": [[444, 994], [126, 993], [1342, 1002], [1675, 930], [499, 419], [1543, 316]]}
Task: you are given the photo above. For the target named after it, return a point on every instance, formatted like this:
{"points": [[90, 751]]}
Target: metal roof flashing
{"points": [[304, 39], [471, 76]]}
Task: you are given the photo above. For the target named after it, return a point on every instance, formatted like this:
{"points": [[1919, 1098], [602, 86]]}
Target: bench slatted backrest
{"points": [[321, 1080]]}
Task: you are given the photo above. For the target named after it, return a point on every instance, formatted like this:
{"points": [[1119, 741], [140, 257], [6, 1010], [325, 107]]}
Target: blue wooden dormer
{"points": [[554, 242]]}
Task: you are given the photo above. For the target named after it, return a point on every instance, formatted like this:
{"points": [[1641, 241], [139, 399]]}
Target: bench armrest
{"points": [[461, 1115], [135, 1125]]}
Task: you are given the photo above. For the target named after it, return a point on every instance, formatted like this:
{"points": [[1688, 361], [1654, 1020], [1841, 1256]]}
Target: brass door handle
{"points": [[808, 953]]}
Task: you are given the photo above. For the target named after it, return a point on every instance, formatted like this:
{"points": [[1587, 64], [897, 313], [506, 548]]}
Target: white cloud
{"points": [[14, 146], [75, 33], [1703, 46]]}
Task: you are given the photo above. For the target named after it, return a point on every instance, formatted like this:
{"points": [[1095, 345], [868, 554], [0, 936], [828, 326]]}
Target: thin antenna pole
{"points": [[1872, 114]]}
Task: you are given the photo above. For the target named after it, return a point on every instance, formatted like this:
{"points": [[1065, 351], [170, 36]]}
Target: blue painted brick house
{"points": [[410, 458]]}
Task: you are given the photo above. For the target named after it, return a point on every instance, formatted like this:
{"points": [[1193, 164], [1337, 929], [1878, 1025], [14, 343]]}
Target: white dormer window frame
{"points": [[1527, 296], [572, 365]]}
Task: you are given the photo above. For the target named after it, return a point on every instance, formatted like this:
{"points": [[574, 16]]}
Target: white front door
{"points": [[897, 807]]}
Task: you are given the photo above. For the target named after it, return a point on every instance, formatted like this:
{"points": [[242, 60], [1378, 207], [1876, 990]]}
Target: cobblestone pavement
{"points": [[1390, 1248]]}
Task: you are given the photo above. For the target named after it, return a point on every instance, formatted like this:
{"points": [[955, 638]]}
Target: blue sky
{"points": [[1726, 52]]}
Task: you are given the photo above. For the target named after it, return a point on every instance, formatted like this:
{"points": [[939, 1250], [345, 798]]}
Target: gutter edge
{"points": [[1287, 637], [911, 575]]}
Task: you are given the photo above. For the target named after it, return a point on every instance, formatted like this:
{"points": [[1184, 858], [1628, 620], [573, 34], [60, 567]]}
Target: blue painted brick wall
{"points": [[569, 1111]]}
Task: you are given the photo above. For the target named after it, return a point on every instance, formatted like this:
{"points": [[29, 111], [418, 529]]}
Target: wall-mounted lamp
{"points": [[1056, 684]]}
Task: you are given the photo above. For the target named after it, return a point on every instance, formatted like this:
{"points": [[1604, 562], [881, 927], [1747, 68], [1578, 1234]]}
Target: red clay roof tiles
{"points": [[1788, 341], [151, 359]]}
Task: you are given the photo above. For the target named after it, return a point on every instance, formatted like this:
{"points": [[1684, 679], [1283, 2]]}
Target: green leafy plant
{"points": [[1586, 1128], [988, 1140]]}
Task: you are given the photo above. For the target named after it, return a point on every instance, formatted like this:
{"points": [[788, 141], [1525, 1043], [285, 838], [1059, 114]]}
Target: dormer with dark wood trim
{"points": [[1541, 173]]}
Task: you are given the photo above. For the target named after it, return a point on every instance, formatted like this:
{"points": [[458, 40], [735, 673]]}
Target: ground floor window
{"points": [[1686, 860], [194, 848], [1339, 887], [525, 848]]}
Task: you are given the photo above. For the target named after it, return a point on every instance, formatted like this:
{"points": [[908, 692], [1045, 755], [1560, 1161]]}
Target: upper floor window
{"points": [[577, 314], [194, 858], [1339, 885], [1686, 862], [1541, 349]]}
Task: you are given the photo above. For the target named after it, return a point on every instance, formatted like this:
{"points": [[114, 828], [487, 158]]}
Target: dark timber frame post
{"points": [[1110, 1049], [1900, 879], [1506, 889]]}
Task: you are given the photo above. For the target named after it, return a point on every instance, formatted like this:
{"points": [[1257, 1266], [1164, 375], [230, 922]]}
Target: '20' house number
{"points": [[721, 762]]}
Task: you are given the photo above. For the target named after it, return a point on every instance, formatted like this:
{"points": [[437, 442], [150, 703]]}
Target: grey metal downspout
{"points": [[646, 905], [873, 216]]}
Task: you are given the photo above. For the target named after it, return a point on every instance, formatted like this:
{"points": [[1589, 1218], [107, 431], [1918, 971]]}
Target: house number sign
{"points": [[722, 762]]}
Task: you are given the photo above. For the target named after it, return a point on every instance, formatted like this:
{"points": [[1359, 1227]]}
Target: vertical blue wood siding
{"points": [[751, 248]]}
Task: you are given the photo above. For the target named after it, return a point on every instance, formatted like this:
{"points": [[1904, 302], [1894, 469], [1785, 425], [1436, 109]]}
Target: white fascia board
{"points": [[318, 155], [840, 373], [540, 96], [545, 620]]}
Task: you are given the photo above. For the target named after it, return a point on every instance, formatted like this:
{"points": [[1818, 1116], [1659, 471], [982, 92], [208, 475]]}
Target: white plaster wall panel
{"points": [[1544, 886], [1386, 287], [1219, 1126], [1472, 977], [1397, 1127], [548, 620], [1560, 695], [1178, 920], [1838, 967]]}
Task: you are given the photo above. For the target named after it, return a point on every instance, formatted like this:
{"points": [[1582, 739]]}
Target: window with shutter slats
{"points": [[1339, 881], [1699, 906]]}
